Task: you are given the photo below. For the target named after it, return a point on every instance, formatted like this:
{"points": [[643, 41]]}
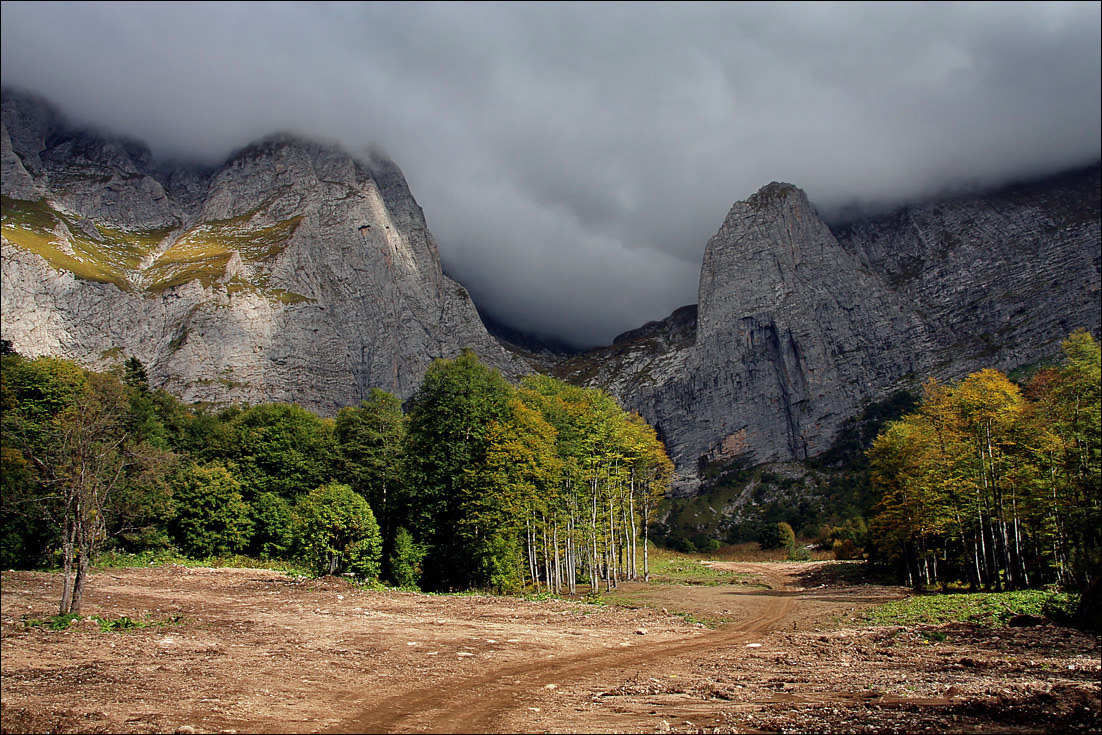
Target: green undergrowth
{"points": [[165, 557], [988, 609], [120, 624]]}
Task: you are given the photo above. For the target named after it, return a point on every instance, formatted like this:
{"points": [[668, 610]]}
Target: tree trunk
{"points": [[78, 585], [67, 564]]}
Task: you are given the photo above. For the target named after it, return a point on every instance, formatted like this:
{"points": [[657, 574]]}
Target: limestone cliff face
{"points": [[999, 278], [296, 272], [293, 272], [800, 325]]}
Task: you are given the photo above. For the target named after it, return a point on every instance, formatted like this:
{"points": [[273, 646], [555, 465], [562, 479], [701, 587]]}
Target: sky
{"points": [[572, 160]]}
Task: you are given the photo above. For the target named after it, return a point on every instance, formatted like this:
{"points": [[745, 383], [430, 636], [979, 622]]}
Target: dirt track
{"points": [[259, 652]]}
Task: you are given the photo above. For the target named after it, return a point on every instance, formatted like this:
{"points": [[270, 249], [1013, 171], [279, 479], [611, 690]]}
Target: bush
{"points": [[211, 516], [336, 530], [684, 545], [846, 549], [272, 535], [405, 562], [798, 552], [776, 536]]}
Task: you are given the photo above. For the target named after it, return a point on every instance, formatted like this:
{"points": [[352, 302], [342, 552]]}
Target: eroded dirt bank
{"points": [[260, 652]]}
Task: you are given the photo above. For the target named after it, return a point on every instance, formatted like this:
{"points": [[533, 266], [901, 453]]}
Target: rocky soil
{"points": [[245, 650]]}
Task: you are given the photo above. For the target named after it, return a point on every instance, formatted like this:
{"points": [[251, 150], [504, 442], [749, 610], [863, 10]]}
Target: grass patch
{"points": [[125, 560], [261, 287], [90, 251], [56, 622], [125, 623], [240, 561], [988, 609], [203, 252], [688, 570], [107, 625], [165, 557]]}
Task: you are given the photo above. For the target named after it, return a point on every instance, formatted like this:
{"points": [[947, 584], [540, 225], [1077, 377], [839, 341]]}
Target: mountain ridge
{"points": [[294, 271]]}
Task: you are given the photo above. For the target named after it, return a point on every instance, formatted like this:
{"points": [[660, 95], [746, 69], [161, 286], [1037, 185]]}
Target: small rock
{"points": [[663, 726], [641, 631], [753, 645], [551, 686], [185, 730]]}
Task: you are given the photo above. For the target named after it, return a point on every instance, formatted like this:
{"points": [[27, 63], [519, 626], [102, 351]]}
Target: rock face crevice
{"points": [[292, 272]]}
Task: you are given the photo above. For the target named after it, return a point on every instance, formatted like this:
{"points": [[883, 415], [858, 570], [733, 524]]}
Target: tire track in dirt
{"points": [[476, 704]]}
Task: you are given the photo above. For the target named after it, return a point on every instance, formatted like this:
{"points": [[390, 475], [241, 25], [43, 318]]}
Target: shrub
{"points": [[272, 536], [211, 516], [846, 549], [798, 552], [684, 545], [776, 536], [336, 530], [405, 562]]}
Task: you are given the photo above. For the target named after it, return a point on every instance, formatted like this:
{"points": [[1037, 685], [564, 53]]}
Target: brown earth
{"points": [[258, 651]]}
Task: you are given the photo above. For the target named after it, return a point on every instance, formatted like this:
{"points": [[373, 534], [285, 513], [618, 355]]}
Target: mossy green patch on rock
{"points": [[204, 251], [87, 249]]}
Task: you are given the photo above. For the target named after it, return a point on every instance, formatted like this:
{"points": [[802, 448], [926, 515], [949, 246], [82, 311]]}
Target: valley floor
{"points": [[258, 651]]}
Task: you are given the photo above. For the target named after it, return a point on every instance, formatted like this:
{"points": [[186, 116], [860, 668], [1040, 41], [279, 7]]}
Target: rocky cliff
{"points": [[292, 272], [800, 325], [296, 272]]}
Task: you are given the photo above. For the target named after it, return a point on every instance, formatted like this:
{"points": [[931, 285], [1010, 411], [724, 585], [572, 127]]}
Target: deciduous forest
{"points": [[994, 485], [475, 483]]}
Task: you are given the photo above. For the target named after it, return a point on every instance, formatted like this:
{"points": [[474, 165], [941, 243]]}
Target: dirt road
{"points": [[256, 651], [483, 703]]}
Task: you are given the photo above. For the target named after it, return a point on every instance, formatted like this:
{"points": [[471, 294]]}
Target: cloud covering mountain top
{"points": [[573, 159]]}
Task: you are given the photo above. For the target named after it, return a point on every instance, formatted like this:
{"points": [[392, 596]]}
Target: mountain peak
{"points": [[774, 192]]}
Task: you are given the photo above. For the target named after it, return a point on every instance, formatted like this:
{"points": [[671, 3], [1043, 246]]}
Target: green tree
{"points": [[405, 561], [776, 536], [515, 480], [273, 534], [212, 519], [336, 530], [449, 424], [91, 478], [274, 447], [370, 440], [144, 418], [994, 485]]}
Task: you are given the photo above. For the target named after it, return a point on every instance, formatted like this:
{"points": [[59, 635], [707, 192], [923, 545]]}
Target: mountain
{"points": [[292, 272], [800, 325], [297, 272]]}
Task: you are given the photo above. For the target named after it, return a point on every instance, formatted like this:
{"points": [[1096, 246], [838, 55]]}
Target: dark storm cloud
{"points": [[573, 160]]}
